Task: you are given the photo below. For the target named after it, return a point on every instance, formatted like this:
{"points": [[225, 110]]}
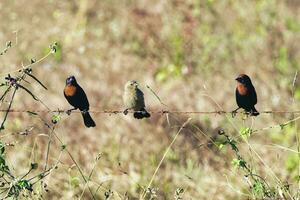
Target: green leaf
{"points": [[233, 143], [55, 119], [75, 181], [2, 162], [2, 148], [221, 146], [238, 163], [235, 163], [258, 188], [24, 184], [3, 166], [245, 132]]}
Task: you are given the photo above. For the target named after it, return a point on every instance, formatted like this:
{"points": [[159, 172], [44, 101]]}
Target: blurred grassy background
{"points": [[189, 52]]}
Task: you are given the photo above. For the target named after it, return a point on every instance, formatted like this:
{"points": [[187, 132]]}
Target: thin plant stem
{"points": [[163, 157], [6, 114]]}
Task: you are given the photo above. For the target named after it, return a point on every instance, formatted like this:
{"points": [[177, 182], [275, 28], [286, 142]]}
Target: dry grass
{"points": [[189, 53]]}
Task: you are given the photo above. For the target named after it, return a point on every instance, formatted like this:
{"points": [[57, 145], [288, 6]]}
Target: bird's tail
{"points": [[141, 114], [254, 112], [88, 121]]}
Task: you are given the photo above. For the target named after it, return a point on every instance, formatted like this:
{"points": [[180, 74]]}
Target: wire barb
{"points": [[115, 111]]}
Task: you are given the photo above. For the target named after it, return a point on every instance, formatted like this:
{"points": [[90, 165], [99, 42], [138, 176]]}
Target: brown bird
{"points": [[133, 99], [245, 95], [76, 96]]}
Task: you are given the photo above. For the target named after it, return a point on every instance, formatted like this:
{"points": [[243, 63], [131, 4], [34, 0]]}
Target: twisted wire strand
{"points": [[118, 111]]}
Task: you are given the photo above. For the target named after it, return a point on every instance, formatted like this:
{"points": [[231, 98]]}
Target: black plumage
{"points": [[76, 96], [245, 94]]}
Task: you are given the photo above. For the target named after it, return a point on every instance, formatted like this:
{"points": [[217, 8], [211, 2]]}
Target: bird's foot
{"points": [[253, 113], [125, 112], [234, 112], [84, 111], [70, 110]]}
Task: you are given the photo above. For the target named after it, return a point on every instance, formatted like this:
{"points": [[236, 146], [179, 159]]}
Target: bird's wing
{"points": [[140, 98], [253, 96], [82, 98], [237, 98]]}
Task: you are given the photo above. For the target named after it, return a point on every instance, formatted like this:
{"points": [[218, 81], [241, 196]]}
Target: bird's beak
{"points": [[238, 79]]}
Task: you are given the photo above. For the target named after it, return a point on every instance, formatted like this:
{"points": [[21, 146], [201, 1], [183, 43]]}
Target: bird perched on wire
{"points": [[76, 96], [245, 95], [133, 99]]}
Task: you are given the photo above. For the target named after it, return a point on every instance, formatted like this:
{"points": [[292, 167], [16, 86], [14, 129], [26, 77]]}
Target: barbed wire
{"points": [[119, 111]]}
